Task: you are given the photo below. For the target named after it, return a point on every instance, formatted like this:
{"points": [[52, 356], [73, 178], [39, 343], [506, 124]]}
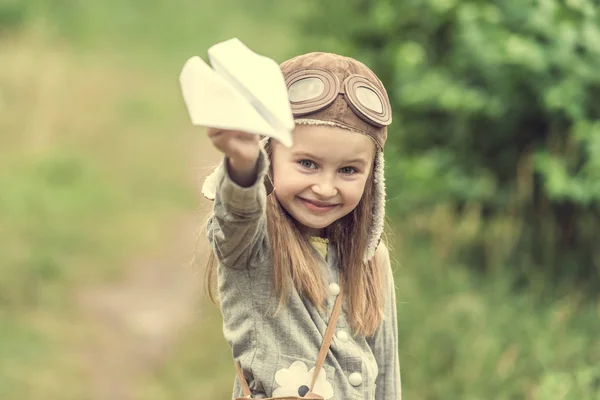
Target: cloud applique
{"points": [[296, 380]]}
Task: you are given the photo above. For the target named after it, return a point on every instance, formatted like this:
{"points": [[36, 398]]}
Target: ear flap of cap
{"points": [[378, 221]]}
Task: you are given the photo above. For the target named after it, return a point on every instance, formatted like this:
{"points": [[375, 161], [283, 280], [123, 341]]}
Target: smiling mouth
{"points": [[317, 206]]}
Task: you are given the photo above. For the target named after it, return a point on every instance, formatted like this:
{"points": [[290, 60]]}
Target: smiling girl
{"points": [[296, 233]]}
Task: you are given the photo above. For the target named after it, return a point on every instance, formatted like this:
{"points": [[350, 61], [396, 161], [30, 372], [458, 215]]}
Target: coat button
{"points": [[334, 289], [342, 336], [355, 379]]}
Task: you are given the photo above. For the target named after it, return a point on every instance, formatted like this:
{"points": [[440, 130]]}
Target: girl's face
{"points": [[322, 177]]}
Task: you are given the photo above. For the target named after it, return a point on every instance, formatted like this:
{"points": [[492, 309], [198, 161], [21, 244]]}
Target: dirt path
{"points": [[137, 321]]}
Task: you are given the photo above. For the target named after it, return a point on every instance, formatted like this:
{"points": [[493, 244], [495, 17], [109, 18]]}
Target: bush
{"points": [[13, 14], [495, 109]]}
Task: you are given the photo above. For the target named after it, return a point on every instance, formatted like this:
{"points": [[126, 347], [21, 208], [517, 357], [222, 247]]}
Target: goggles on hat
{"points": [[312, 90]]}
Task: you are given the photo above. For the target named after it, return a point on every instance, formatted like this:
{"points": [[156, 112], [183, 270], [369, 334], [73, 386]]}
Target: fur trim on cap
{"points": [[307, 121], [378, 222]]}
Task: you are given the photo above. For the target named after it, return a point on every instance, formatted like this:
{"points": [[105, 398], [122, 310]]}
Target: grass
{"points": [[465, 336], [92, 173], [97, 159], [200, 367]]}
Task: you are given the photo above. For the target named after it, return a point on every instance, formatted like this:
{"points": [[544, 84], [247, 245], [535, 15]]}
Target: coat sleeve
{"points": [[238, 222]]}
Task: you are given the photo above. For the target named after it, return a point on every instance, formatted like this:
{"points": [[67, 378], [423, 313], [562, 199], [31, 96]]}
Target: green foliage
{"points": [[13, 14], [45, 206], [494, 104], [201, 363], [468, 337], [580, 185], [167, 32]]}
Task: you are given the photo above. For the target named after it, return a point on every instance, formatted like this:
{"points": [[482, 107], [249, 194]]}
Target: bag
{"points": [[320, 360]]}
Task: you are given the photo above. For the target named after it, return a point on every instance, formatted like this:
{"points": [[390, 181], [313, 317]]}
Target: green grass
{"points": [[92, 173], [465, 336], [201, 365], [161, 34]]}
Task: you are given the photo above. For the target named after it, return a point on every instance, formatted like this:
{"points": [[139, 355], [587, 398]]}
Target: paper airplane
{"points": [[242, 91]]}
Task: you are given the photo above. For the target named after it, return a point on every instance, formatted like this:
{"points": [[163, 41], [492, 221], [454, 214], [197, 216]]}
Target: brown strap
{"points": [[240, 374], [327, 339], [322, 353]]}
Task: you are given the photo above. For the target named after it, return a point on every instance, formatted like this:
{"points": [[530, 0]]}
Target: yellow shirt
{"points": [[320, 244]]}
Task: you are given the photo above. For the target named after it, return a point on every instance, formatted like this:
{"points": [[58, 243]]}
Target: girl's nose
{"points": [[324, 189]]}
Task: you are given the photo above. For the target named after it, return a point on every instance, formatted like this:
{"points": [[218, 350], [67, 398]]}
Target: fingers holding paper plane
{"points": [[242, 150], [235, 144]]}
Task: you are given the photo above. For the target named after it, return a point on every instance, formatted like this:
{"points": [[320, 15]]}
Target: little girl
{"points": [[294, 229]]}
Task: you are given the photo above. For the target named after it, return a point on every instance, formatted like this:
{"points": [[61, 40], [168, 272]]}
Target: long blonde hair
{"points": [[295, 262]]}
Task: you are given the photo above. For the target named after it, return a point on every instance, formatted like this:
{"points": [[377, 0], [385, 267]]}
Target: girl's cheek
{"points": [[358, 191]]}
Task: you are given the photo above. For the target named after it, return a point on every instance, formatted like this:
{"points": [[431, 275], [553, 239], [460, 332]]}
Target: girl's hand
{"points": [[242, 150]]}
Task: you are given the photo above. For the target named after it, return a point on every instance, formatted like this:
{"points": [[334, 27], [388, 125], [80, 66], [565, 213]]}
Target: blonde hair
{"points": [[295, 262]]}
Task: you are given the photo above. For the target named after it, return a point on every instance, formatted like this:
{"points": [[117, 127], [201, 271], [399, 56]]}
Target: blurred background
{"points": [[493, 170]]}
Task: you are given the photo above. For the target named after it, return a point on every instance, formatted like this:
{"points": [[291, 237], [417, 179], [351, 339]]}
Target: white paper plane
{"points": [[242, 91]]}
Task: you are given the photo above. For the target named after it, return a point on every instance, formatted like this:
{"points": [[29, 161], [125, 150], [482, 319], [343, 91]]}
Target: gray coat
{"points": [[278, 353]]}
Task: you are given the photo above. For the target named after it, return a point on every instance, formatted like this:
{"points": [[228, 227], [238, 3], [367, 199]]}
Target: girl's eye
{"points": [[307, 164], [348, 170]]}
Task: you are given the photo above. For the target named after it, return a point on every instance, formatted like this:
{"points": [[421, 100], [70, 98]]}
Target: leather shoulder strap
{"points": [[240, 374], [328, 337]]}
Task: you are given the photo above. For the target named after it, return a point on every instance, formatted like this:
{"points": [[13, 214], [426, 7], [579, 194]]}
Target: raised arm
{"points": [[238, 222]]}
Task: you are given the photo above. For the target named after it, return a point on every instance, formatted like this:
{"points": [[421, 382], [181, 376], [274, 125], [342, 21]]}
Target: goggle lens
{"points": [[306, 89], [369, 99]]}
